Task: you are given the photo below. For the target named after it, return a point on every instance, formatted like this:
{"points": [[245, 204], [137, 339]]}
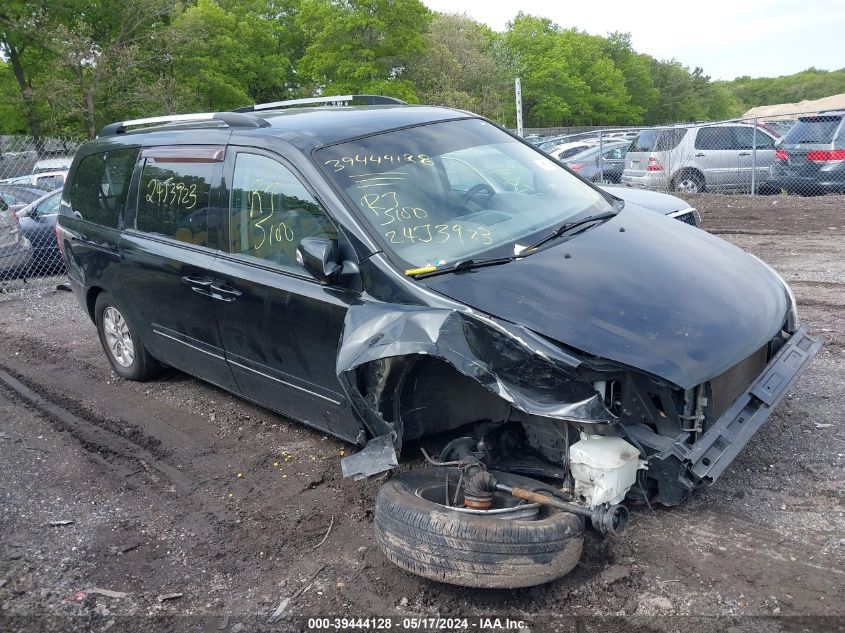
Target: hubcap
{"points": [[118, 338], [690, 185]]}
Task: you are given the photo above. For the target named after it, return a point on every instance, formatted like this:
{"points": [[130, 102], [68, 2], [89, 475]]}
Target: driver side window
{"points": [[271, 211]]}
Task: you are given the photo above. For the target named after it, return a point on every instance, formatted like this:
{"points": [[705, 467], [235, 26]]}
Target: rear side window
{"points": [[657, 140], [745, 138], [813, 129], [173, 195], [100, 186]]}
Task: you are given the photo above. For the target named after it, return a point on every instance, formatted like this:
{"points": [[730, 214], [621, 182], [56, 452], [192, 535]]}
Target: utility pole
{"points": [[518, 89]]}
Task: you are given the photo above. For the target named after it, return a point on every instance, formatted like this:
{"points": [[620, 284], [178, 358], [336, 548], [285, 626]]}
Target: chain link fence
{"points": [[32, 174], [800, 153]]}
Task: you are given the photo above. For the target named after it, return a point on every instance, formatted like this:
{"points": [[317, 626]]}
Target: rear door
{"points": [[166, 252], [280, 327], [748, 162]]}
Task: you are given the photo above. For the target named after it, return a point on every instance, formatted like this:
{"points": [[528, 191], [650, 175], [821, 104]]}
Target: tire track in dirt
{"points": [[94, 437]]}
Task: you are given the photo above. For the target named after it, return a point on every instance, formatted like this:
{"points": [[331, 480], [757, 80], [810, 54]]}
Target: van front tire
{"points": [[443, 544], [124, 348]]}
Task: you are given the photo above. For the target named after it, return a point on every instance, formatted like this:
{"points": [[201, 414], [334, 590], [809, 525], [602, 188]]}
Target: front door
{"points": [[280, 327], [166, 253]]}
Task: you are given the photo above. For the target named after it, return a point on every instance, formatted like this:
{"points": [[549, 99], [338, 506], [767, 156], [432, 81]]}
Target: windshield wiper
{"points": [[464, 264], [567, 226]]}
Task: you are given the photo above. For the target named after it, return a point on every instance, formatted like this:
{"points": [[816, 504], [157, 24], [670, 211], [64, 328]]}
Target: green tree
{"points": [[459, 67], [229, 55], [361, 46], [567, 75], [807, 84]]}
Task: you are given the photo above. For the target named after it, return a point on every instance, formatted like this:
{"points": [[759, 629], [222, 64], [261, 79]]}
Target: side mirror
{"points": [[319, 257]]}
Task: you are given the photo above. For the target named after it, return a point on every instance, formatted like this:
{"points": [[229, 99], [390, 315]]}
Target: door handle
{"points": [[222, 292], [745, 153], [700, 154], [198, 282]]}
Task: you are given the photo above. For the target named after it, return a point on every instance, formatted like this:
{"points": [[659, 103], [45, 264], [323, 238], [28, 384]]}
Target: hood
{"points": [[660, 296], [651, 200]]}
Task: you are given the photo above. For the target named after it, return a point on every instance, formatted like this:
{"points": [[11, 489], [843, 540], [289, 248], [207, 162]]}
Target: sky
{"points": [[727, 38]]}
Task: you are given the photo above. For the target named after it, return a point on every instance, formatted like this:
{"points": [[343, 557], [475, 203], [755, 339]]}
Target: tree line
{"points": [[67, 67]]}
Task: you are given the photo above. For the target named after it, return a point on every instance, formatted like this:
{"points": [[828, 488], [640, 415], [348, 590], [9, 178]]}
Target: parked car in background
{"points": [[657, 201], [38, 224], [600, 163], [779, 128], [60, 163], [46, 181], [15, 249], [16, 197], [569, 149], [811, 157], [698, 158]]}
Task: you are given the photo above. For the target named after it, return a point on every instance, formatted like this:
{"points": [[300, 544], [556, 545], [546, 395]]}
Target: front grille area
{"points": [[687, 218]]}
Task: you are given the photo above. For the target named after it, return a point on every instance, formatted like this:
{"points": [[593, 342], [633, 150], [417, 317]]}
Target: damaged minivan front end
{"points": [[620, 357]]}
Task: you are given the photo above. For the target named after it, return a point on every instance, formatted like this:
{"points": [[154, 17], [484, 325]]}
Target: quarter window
{"points": [[173, 195], [100, 186], [271, 211]]}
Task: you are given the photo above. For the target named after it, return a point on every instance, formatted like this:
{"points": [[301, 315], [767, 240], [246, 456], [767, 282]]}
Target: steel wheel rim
{"points": [[118, 337], [524, 511]]}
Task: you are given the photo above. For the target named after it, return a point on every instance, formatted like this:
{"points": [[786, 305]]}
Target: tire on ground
{"points": [[455, 547]]}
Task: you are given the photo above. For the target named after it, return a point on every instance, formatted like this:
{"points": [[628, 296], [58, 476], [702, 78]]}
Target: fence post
{"points": [[754, 159], [601, 157]]}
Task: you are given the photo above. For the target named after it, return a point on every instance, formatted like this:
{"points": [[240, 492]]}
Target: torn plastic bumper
{"points": [[521, 367], [378, 456]]}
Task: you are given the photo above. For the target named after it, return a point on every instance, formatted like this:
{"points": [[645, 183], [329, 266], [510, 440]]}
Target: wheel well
{"points": [[91, 301], [434, 397]]}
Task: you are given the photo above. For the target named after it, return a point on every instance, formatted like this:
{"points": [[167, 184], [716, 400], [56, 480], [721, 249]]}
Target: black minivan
{"points": [[387, 273]]}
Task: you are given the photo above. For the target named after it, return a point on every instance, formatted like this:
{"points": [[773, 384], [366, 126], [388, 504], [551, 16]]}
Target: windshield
{"points": [[441, 193], [815, 129]]}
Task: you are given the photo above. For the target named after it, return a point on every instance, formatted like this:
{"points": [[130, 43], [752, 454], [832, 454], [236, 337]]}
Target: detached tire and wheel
{"points": [[121, 342], [512, 545]]}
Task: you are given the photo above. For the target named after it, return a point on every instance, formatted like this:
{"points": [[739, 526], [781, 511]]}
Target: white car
{"points": [[61, 163], [46, 180], [570, 149]]}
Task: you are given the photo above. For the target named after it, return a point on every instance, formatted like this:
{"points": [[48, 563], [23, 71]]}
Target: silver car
{"points": [[15, 249], [604, 167], [699, 158]]}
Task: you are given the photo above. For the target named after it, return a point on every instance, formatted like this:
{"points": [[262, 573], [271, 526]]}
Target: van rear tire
{"points": [[121, 342]]}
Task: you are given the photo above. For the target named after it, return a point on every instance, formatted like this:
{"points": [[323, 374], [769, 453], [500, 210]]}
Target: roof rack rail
{"points": [[232, 119], [333, 100]]}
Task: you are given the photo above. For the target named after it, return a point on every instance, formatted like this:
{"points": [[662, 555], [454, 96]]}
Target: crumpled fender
{"points": [[523, 368]]}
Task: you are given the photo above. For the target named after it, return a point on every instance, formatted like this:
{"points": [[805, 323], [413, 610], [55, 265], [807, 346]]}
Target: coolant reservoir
{"points": [[604, 468]]}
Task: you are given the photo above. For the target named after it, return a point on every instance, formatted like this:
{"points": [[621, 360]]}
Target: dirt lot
{"points": [[175, 487]]}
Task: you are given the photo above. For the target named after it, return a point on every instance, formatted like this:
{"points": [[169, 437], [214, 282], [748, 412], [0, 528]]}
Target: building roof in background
{"points": [[788, 110]]}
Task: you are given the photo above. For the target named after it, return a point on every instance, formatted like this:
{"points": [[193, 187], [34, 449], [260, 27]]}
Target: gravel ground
{"points": [[175, 488]]}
